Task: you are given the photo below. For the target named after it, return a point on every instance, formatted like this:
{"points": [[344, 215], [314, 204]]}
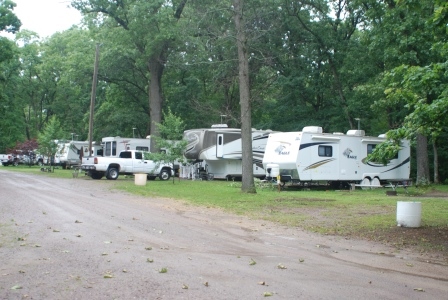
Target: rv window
{"points": [[370, 148], [141, 148], [114, 148], [220, 140], [108, 148], [138, 155], [326, 151]]}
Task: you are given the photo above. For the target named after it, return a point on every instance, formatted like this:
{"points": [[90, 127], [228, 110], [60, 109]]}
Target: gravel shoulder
{"points": [[79, 239]]}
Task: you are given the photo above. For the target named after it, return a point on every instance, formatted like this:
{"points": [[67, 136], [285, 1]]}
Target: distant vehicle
{"points": [[8, 159], [127, 163], [311, 156]]}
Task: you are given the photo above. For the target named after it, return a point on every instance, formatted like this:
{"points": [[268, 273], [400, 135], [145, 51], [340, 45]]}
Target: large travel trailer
{"points": [[217, 151], [336, 158]]}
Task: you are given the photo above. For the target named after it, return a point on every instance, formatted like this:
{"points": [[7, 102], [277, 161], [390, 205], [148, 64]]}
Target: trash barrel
{"points": [[409, 214], [140, 178]]}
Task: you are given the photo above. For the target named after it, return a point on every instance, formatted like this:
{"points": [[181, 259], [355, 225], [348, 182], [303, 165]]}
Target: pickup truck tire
{"points": [[165, 174], [112, 173]]}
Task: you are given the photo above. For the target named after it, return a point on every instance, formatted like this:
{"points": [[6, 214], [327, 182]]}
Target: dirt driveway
{"points": [[78, 239]]}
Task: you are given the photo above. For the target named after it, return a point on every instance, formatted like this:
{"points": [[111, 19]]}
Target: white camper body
{"points": [[217, 151], [112, 146], [69, 153], [336, 158]]}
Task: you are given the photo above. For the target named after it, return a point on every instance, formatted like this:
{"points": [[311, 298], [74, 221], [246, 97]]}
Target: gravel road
{"points": [[80, 239]]}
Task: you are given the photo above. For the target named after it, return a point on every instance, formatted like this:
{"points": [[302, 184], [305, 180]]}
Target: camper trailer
{"points": [[69, 153], [311, 156], [112, 146], [217, 151]]}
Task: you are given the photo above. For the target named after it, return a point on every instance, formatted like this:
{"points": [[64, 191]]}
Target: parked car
{"points": [[8, 159]]}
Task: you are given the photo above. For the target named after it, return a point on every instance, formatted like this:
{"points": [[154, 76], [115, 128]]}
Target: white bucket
{"points": [[409, 214], [140, 178]]}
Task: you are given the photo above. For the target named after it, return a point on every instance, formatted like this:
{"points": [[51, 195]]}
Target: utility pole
{"points": [[93, 96]]}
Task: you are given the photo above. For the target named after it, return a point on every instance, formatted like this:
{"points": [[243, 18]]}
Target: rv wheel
{"points": [[112, 173], [165, 174]]}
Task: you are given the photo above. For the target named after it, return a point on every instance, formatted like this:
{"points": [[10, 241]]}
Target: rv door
{"points": [[219, 145]]}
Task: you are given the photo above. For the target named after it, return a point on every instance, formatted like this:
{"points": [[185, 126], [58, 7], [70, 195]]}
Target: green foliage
{"points": [[389, 149], [8, 20], [170, 140], [47, 139]]}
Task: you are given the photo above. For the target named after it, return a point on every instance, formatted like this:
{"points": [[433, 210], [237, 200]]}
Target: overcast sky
{"points": [[46, 16]]}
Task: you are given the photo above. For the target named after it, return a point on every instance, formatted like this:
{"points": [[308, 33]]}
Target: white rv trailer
{"points": [[218, 151], [335, 158], [112, 146], [69, 153]]}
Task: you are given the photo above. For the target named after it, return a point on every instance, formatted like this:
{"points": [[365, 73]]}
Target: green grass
{"points": [[369, 214]]}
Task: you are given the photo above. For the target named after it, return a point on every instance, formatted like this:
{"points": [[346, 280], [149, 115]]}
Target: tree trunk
{"points": [[422, 160], [436, 161], [248, 185]]}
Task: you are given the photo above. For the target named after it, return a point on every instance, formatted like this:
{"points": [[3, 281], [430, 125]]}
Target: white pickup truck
{"points": [[8, 159], [127, 163]]}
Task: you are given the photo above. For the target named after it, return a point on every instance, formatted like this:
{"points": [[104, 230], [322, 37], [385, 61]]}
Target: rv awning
{"points": [[321, 137]]}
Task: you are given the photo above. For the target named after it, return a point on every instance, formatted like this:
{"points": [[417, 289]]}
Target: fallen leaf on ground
{"points": [[16, 287], [280, 266]]}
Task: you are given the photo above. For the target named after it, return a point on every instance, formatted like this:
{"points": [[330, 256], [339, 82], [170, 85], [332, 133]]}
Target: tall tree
{"points": [[248, 185], [149, 28], [407, 85]]}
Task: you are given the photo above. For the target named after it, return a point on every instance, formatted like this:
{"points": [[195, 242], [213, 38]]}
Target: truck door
{"points": [[219, 145], [139, 163]]}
